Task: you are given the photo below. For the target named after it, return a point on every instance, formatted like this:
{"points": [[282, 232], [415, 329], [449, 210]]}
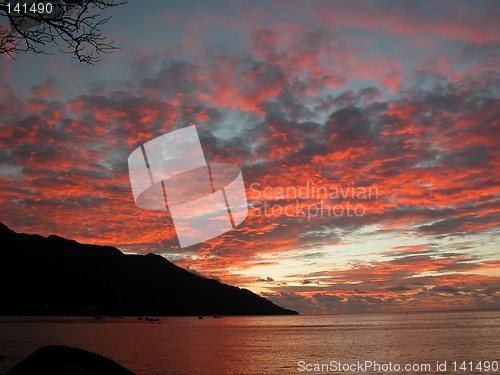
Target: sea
{"points": [[383, 343]]}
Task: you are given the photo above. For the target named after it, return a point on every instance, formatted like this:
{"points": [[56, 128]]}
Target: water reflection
{"points": [[260, 345]]}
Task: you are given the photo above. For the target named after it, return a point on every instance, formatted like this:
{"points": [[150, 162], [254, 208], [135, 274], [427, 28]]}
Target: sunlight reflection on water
{"points": [[260, 345]]}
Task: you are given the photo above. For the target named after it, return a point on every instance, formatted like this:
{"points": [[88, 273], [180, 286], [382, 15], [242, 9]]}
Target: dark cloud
{"points": [[267, 279]]}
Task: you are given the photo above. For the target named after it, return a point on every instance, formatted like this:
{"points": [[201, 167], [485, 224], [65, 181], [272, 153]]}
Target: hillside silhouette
{"points": [[55, 276]]}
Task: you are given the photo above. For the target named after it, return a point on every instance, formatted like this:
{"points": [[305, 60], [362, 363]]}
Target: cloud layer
{"points": [[294, 104]]}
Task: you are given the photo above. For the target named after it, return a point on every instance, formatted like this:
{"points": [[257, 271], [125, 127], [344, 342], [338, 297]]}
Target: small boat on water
{"points": [[217, 317], [200, 317], [149, 319]]}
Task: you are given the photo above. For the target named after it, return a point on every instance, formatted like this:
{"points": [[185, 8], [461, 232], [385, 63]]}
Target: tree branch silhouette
{"points": [[73, 25]]}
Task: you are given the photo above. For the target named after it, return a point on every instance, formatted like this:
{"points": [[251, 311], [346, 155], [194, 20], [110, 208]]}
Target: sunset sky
{"points": [[400, 97]]}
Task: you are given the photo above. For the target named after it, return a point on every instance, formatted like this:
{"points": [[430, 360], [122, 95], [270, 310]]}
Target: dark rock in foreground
{"points": [[56, 276], [64, 360]]}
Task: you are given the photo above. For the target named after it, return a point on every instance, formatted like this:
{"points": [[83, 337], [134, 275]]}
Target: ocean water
{"points": [[469, 343]]}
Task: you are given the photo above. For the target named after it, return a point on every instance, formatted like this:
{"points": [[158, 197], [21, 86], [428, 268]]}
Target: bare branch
{"points": [[73, 25]]}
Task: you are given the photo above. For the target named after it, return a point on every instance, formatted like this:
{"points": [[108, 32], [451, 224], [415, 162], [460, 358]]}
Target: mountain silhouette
{"points": [[55, 276]]}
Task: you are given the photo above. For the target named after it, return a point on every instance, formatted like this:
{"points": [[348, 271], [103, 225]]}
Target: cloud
{"points": [[290, 106], [267, 279]]}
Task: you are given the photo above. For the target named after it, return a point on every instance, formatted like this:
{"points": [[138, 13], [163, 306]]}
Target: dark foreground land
{"points": [[56, 276]]}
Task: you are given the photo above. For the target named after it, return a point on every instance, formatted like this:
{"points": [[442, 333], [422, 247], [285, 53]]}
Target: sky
{"points": [[367, 133]]}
